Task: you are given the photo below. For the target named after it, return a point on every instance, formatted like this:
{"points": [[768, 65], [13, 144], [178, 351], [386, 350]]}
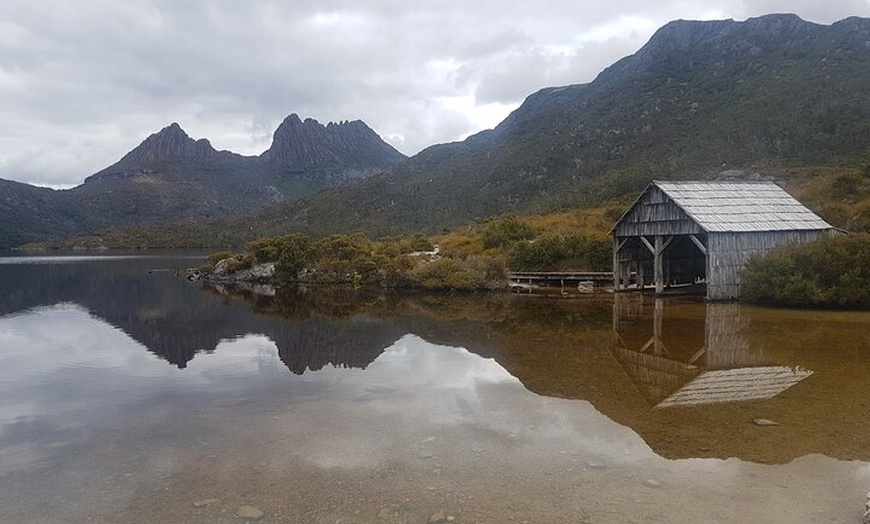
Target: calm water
{"points": [[132, 395]]}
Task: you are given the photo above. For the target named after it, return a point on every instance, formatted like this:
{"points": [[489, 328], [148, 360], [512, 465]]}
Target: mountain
{"points": [[299, 145], [171, 176], [762, 95], [698, 99]]}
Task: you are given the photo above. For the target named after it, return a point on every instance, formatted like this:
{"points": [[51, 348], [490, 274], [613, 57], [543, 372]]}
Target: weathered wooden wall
{"points": [[727, 254], [656, 214]]}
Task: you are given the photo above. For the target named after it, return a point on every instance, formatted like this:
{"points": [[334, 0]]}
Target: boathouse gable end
{"points": [[703, 233], [655, 214]]}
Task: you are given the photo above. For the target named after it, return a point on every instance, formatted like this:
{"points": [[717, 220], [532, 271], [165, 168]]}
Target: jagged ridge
{"points": [[299, 144], [170, 176]]}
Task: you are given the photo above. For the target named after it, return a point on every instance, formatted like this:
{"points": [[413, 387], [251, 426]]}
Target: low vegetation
{"points": [[474, 258], [830, 273], [840, 195]]}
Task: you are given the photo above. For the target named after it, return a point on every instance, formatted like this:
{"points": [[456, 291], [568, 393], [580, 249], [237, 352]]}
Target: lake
{"points": [[130, 394]]}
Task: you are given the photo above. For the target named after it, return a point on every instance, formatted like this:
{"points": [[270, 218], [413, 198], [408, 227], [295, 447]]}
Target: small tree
{"points": [[294, 255]]}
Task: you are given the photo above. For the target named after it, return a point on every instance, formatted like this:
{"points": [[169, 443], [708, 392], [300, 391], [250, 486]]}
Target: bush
{"points": [[472, 273], [357, 260], [293, 257], [847, 186], [552, 252], [345, 259], [832, 272], [505, 231], [239, 262]]}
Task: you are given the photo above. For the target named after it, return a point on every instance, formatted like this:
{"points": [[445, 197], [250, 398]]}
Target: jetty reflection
{"points": [[678, 360]]}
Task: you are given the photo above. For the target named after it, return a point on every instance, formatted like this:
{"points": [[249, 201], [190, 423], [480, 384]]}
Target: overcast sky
{"points": [[82, 83]]}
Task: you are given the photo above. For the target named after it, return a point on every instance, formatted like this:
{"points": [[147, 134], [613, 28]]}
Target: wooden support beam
{"points": [[698, 243], [658, 266], [641, 278], [617, 265], [696, 356], [618, 244], [648, 245]]}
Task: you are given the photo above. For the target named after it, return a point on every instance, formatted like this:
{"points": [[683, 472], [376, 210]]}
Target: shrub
{"points": [[239, 262], [472, 273], [294, 255], [344, 259], [503, 232], [847, 186], [832, 272], [551, 252]]}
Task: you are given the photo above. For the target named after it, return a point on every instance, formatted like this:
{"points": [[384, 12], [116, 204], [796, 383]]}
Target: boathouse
{"points": [[703, 233]]}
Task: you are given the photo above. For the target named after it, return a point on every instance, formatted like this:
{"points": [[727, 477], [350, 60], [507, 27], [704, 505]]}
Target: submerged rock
{"points": [[250, 513]]}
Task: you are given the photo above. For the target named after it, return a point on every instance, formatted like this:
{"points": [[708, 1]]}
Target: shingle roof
{"points": [[741, 206]]}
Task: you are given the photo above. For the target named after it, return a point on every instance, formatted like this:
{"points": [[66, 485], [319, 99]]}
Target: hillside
{"points": [[699, 98], [171, 176], [775, 96]]}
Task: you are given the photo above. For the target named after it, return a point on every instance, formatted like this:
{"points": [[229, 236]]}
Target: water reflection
{"points": [[675, 360], [712, 371], [130, 395]]}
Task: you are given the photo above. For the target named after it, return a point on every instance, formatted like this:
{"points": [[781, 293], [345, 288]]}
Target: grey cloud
{"points": [[82, 83]]}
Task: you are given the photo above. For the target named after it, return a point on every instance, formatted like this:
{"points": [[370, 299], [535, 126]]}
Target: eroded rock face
{"points": [[299, 144], [172, 142]]}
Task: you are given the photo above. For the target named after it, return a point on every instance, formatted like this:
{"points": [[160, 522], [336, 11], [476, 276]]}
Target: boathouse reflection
{"points": [[675, 359]]}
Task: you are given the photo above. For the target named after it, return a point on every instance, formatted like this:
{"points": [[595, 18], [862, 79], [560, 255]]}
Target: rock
{"points": [[437, 518], [250, 513], [866, 518], [765, 422], [220, 268], [652, 483]]}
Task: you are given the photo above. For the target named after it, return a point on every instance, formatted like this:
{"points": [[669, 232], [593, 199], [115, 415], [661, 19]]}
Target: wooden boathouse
{"points": [[703, 233]]}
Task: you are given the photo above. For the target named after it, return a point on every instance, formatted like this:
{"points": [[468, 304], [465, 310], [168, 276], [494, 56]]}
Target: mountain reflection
{"points": [[689, 377], [173, 319]]}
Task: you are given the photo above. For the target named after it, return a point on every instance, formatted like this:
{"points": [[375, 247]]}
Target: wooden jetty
{"points": [[583, 281]]}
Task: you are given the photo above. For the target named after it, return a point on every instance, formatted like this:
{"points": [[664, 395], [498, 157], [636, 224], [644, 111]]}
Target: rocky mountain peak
{"points": [[171, 143], [299, 144]]}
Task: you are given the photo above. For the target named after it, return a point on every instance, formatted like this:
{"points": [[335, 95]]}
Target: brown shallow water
{"points": [[131, 396]]}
